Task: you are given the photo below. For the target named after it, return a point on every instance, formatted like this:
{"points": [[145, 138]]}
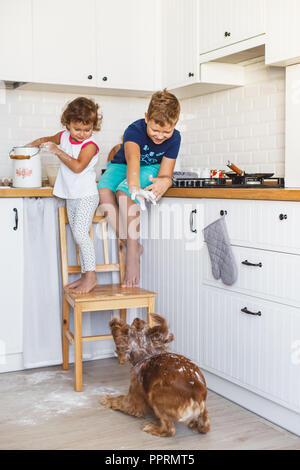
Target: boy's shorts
{"points": [[114, 177]]}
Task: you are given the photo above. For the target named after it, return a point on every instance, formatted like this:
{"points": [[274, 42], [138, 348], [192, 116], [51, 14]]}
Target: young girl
{"points": [[76, 179]]}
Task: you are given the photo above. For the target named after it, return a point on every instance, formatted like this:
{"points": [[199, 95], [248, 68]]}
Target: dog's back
{"points": [[173, 386]]}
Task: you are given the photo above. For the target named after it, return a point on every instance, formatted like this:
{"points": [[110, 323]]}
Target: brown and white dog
{"points": [[168, 384]]}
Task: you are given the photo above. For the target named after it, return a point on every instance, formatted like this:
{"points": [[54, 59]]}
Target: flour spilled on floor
{"points": [[52, 395]]}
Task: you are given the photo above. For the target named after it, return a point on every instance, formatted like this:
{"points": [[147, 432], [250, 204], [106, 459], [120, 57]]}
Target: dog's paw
{"points": [[156, 430], [106, 401]]}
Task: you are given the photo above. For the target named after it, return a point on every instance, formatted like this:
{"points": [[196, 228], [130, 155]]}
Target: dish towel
{"points": [[221, 255]]}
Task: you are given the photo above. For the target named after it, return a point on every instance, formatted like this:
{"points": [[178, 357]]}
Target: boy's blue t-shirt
{"points": [[151, 153]]}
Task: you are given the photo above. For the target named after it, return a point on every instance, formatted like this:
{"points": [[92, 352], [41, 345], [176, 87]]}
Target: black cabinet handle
{"points": [[223, 212], [104, 79], [246, 262], [192, 221], [283, 216], [90, 77], [191, 74], [245, 310], [16, 219], [227, 34]]}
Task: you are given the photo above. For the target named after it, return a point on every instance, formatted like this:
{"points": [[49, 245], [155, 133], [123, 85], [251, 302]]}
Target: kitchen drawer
{"points": [[275, 275], [273, 225], [260, 353]]}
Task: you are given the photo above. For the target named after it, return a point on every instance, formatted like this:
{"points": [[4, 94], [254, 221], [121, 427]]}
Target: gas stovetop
{"points": [[245, 182]]}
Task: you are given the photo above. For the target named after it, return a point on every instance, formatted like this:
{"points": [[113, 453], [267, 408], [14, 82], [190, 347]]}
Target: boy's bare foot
{"points": [[132, 273], [74, 284], [89, 282]]}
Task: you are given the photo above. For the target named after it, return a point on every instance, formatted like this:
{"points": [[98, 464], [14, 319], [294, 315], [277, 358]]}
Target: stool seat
{"points": [[107, 291]]}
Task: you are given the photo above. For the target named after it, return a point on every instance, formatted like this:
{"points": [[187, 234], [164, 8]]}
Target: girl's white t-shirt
{"points": [[70, 185]]}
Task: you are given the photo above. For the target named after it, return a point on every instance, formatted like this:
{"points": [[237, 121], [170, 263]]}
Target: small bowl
{"points": [[52, 170]]}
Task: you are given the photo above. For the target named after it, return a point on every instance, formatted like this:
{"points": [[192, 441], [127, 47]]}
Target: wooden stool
{"points": [[103, 297]]}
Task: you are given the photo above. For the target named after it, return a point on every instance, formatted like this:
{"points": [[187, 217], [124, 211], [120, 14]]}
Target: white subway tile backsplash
{"points": [[245, 124], [259, 156], [266, 115], [249, 126], [267, 142], [27, 115], [236, 146], [230, 133]]}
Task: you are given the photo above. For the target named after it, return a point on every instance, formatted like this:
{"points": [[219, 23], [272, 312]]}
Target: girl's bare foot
{"points": [[74, 284], [89, 282]]}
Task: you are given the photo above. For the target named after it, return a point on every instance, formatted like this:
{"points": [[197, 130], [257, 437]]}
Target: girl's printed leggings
{"points": [[80, 214]]}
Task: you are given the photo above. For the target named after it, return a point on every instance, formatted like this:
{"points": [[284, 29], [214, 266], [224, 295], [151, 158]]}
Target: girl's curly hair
{"points": [[83, 110]]}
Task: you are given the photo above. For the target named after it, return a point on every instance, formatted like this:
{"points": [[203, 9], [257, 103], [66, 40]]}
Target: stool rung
{"points": [[95, 338], [70, 336], [100, 268]]}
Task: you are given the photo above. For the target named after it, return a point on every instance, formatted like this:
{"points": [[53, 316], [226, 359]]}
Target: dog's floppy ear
{"points": [[159, 334], [119, 330]]}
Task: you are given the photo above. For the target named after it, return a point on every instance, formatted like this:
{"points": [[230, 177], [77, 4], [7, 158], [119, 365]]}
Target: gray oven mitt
{"points": [[221, 255]]}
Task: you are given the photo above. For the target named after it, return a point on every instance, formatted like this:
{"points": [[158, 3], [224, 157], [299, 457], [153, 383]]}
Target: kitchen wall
{"points": [[27, 115], [245, 125]]}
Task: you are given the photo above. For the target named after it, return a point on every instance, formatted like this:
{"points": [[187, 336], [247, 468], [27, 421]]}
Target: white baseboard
{"points": [[14, 362], [11, 362], [267, 409]]}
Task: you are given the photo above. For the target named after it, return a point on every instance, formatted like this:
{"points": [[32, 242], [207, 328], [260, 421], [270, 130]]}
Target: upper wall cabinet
{"points": [[15, 40], [64, 47], [225, 22], [126, 44], [179, 43], [283, 40]]}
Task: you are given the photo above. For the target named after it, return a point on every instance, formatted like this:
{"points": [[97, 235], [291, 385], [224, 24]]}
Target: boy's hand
{"points": [[49, 147], [141, 195], [159, 186]]}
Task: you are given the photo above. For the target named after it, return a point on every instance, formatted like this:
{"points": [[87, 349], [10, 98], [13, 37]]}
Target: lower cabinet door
{"points": [[252, 342], [171, 266], [261, 273], [11, 280], [271, 225]]}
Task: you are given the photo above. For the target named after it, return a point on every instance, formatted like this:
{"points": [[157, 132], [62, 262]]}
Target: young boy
{"points": [[145, 161]]}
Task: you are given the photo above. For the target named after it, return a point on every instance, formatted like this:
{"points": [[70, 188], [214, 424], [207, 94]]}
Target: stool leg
{"points": [[123, 314], [150, 309], [65, 327], [78, 347]]}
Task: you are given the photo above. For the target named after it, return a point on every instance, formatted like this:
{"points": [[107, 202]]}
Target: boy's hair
{"points": [[164, 108], [83, 110]]}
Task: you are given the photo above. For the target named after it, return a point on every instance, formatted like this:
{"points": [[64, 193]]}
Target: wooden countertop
{"points": [[275, 194], [268, 194], [26, 192]]}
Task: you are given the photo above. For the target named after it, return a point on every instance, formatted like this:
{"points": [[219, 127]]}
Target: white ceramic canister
{"points": [[27, 168]]}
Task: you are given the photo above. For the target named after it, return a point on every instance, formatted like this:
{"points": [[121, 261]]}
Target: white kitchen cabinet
{"points": [[64, 46], [261, 273], [126, 42], [283, 38], [254, 350], [225, 22], [273, 225], [171, 266], [16, 40], [245, 337], [179, 43], [250, 330], [11, 281]]}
